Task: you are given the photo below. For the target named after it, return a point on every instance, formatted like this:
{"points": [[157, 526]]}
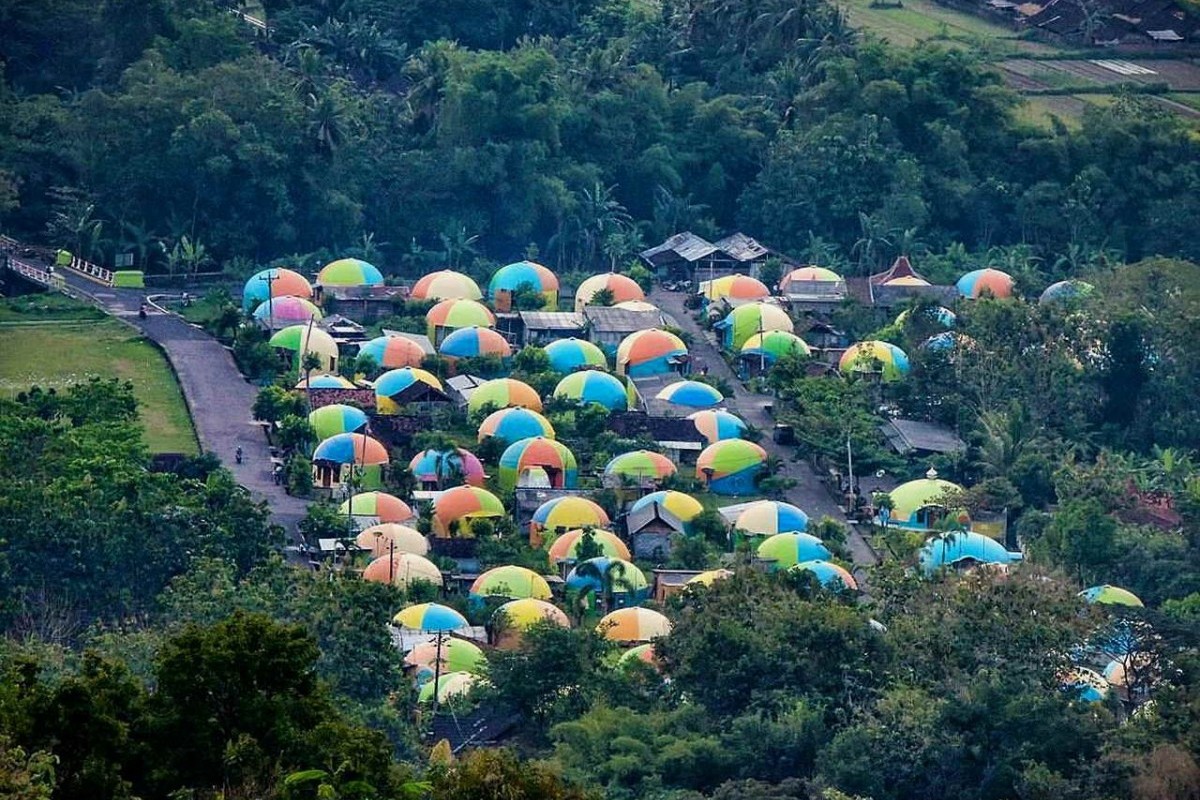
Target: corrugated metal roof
{"points": [[742, 247], [604, 319], [553, 320], [639, 519], [686, 245], [906, 435]]}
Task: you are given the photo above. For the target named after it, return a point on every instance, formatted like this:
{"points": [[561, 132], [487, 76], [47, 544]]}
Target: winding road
{"points": [[219, 398], [808, 493]]}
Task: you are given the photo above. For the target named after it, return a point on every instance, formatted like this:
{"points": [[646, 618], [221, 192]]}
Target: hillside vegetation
{"points": [[424, 133]]}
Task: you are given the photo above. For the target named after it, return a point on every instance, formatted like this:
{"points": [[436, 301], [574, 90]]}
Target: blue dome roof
{"points": [[951, 548]]}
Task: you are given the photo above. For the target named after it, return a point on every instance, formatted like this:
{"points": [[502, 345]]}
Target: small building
{"points": [[607, 326], [364, 304], [669, 582], [461, 387], [543, 327], [900, 284], [684, 255], [921, 439], [343, 329], [747, 252], [679, 438], [650, 530]]}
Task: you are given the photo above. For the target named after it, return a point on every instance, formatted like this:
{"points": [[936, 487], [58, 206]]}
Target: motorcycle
{"points": [[237, 455]]}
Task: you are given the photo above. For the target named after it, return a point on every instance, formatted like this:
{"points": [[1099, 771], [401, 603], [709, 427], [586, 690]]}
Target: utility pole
{"points": [[850, 470], [271, 276]]}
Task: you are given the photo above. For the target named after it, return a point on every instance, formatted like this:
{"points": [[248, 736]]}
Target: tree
{"points": [[499, 775], [187, 256], [295, 433], [553, 675], [769, 637], [531, 360], [309, 362], [1081, 538], [588, 548], [611, 578], [25, 776], [273, 403], [604, 297], [710, 526], [79, 453], [243, 686]]}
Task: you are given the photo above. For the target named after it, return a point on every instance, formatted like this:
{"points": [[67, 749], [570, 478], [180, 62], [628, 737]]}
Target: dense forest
{"points": [[156, 644], [420, 134]]}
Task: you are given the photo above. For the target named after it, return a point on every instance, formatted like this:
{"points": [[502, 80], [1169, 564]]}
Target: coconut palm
{"points": [[612, 579]]}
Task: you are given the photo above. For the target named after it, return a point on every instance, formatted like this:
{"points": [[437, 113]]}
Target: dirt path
{"points": [[809, 493]]}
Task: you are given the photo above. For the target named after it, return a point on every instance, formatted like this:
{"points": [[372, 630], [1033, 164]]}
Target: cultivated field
{"points": [[53, 342], [922, 21], [1030, 66]]}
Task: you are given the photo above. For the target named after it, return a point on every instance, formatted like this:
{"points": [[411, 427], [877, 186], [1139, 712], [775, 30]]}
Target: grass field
{"points": [[1191, 100], [55, 349], [45, 308], [922, 21]]}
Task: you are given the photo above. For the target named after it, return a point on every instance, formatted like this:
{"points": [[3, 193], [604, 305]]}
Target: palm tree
{"points": [[620, 245], [327, 122], [674, 213], [908, 243], [456, 243], [426, 73], [140, 240], [309, 362], [612, 578], [78, 225], [873, 238], [335, 785], [309, 68], [1007, 435], [597, 214], [227, 320]]}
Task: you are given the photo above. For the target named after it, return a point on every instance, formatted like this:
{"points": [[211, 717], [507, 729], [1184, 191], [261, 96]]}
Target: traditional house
{"points": [[749, 253], [460, 387], [607, 327], [898, 285], [651, 529], [677, 436], [670, 582], [343, 329], [921, 439], [684, 255], [543, 327], [364, 304]]}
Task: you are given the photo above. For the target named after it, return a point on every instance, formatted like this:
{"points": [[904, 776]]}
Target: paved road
{"points": [[219, 398], [808, 493]]}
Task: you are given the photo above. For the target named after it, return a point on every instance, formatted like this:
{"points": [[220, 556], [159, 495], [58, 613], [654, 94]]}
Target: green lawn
{"points": [[46, 307], [58, 353]]}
